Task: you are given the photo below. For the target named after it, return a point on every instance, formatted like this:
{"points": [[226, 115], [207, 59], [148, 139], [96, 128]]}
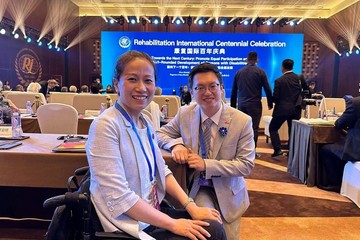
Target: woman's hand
{"points": [[204, 213], [192, 229]]}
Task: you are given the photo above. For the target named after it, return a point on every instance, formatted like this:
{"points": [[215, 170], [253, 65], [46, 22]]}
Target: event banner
{"points": [[176, 53]]}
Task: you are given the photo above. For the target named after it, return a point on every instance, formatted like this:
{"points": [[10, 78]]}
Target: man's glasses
{"points": [[212, 88]]}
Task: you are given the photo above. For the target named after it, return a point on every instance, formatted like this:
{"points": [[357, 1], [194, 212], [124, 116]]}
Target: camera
{"points": [[308, 101]]}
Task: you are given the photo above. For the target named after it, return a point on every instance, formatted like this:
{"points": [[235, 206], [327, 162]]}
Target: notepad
{"points": [[6, 144], [69, 146]]}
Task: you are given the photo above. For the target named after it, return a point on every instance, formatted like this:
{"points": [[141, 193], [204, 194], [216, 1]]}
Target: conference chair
{"points": [[265, 112], [83, 102], [153, 112], [57, 118], [5, 93], [20, 99], [173, 101], [62, 97], [283, 131]]}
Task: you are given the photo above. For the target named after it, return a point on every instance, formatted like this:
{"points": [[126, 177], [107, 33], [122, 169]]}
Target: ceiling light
{"points": [[223, 21]]}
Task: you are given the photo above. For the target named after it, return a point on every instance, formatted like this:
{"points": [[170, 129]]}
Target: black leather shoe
{"points": [[277, 153]]}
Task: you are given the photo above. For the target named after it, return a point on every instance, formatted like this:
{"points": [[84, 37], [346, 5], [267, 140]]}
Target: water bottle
{"points": [[164, 111], [16, 124], [109, 102], [28, 108]]}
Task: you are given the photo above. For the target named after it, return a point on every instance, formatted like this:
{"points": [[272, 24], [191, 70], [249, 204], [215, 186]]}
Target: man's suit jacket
{"points": [[286, 95], [350, 121], [233, 154]]}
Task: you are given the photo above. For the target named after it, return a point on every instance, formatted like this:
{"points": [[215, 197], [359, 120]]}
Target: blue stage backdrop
{"points": [[176, 53]]}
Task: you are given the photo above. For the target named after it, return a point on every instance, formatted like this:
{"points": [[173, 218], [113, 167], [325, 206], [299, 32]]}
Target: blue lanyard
{"points": [[128, 118], [202, 142]]}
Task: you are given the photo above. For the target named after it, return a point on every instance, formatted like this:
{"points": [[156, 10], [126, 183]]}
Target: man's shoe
{"points": [[257, 155], [277, 153]]}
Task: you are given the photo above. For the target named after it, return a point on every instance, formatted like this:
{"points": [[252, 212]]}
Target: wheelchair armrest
{"points": [[81, 171], [69, 199]]}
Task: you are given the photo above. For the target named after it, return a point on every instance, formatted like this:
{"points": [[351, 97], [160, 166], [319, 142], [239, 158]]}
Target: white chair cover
{"points": [[57, 118]]}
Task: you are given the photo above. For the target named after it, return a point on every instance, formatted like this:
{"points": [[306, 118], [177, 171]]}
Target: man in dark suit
{"points": [[287, 99], [48, 86], [246, 91], [333, 157]]}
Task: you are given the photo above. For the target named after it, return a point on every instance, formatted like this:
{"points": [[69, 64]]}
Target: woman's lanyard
{"points": [[202, 142], [128, 118]]}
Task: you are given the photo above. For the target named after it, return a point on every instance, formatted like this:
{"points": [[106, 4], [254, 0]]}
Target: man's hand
{"points": [[180, 153], [195, 161], [204, 213]]}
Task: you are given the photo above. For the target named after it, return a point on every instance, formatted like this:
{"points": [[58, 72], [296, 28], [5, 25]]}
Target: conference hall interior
{"points": [[74, 44]]}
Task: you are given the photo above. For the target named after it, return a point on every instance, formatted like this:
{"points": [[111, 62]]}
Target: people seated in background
{"points": [[94, 88], [7, 107], [312, 87], [84, 89], [7, 86], [129, 178], [216, 143], [185, 96], [64, 89], [333, 157], [34, 87], [19, 88], [158, 91], [109, 89], [73, 89]]}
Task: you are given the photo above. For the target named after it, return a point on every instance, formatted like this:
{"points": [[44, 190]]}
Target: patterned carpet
{"points": [[277, 200], [283, 208]]}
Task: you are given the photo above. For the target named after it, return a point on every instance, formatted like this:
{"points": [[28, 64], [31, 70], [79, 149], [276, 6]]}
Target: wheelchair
{"points": [[74, 217]]}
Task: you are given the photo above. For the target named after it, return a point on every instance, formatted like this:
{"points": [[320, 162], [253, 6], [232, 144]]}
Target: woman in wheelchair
{"points": [[129, 177]]}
